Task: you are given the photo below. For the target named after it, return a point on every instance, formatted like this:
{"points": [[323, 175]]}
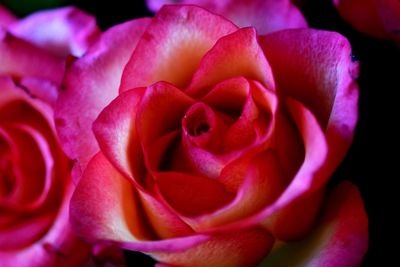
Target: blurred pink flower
{"points": [[377, 18], [35, 182]]}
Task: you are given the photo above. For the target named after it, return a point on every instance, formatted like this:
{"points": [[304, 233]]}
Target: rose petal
{"points": [[240, 248], [116, 133], [297, 219], [340, 239], [62, 31], [122, 117], [90, 84], [172, 46], [230, 58], [259, 181], [326, 85], [126, 215], [256, 121], [229, 95], [265, 15], [161, 110], [21, 59]]}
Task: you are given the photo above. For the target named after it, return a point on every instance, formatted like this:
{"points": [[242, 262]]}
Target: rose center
{"points": [[200, 128], [198, 120]]}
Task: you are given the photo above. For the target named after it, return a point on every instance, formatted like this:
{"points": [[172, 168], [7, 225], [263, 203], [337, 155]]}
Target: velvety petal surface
{"points": [[172, 46], [90, 84], [340, 239], [265, 15], [62, 31]]}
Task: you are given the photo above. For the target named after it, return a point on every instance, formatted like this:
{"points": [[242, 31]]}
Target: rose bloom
{"points": [[201, 143], [377, 18], [35, 182]]}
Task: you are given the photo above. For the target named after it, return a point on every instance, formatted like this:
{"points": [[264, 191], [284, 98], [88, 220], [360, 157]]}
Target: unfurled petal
{"points": [[118, 213], [326, 84], [103, 205], [340, 239], [91, 83]]}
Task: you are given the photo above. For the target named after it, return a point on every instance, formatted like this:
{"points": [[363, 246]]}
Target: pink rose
{"points": [[377, 18], [265, 15], [35, 182], [203, 144]]}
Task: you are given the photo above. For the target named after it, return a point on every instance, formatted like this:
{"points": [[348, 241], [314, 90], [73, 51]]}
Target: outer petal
{"points": [[172, 46], [62, 31], [103, 205], [115, 214], [6, 17], [265, 15], [326, 83], [90, 84], [340, 240]]}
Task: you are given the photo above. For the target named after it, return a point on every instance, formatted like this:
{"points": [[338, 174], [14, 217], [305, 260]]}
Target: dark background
{"points": [[372, 162]]}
